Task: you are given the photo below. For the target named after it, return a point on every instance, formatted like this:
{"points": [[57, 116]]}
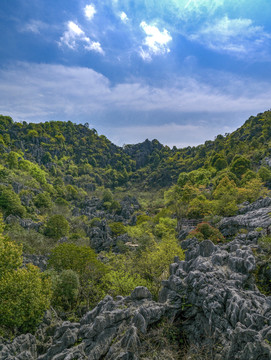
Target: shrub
{"points": [[205, 231], [43, 200], [10, 256], [117, 228], [82, 260], [66, 288], [57, 226], [25, 295], [70, 256], [10, 202], [24, 292]]}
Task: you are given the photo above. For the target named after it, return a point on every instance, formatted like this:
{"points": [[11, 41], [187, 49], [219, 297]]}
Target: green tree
{"points": [[265, 174], [240, 165], [226, 195], [24, 292], [57, 226], [82, 260], [12, 160], [70, 256], [10, 202], [25, 295], [43, 200], [66, 287], [117, 228]]}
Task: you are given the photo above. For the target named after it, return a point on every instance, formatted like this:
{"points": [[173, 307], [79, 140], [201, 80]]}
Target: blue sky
{"points": [[180, 71]]}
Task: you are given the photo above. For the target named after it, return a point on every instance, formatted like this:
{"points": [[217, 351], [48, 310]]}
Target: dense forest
{"points": [[105, 219]]}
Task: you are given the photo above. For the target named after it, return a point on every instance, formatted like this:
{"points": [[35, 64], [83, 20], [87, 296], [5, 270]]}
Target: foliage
{"points": [[66, 287], [24, 292], [70, 256], [25, 295], [11, 256], [240, 165], [43, 200], [117, 228], [153, 263], [121, 282], [32, 242], [10, 202], [205, 231], [83, 261], [57, 226]]}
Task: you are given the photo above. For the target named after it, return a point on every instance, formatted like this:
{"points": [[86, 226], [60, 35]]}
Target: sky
{"points": [[180, 71]]}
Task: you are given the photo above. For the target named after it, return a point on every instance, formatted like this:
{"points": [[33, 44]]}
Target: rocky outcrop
{"points": [[222, 309], [27, 224], [251, 217], [110, 331], [211, 294]]}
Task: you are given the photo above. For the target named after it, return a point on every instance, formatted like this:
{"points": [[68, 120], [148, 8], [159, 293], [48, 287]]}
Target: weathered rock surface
{"points": [[110, 331], [250, 217], [213, 292], [25, 223]]}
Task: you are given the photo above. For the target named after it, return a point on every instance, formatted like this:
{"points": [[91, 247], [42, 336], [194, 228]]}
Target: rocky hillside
{"points": [[211, 301]]}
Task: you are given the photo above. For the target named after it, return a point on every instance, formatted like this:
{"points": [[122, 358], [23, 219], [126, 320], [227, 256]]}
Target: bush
{"points": [[82, 260], [205, 231], [57, 226], [70, 256], [10, 256], [66, 288], [25, 295], [10, 202], [24, 292], [117, 228], [43, 200]]}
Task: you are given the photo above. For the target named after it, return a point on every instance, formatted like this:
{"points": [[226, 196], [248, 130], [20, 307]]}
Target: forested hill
{"points": [[64, 149]]}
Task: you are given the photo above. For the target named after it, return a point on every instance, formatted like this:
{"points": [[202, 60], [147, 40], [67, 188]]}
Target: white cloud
{"points": [[234, 36], [156, 41], [123, 17], [74, 35], [39, 92], [89, 11], [95, 46]]}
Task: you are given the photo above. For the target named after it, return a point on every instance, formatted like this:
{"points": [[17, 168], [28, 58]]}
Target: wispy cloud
{"points": [[74, 35], [33, 26], [81, 94], [238, 37], [155, 42], [89, 11], [200, 6]]}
